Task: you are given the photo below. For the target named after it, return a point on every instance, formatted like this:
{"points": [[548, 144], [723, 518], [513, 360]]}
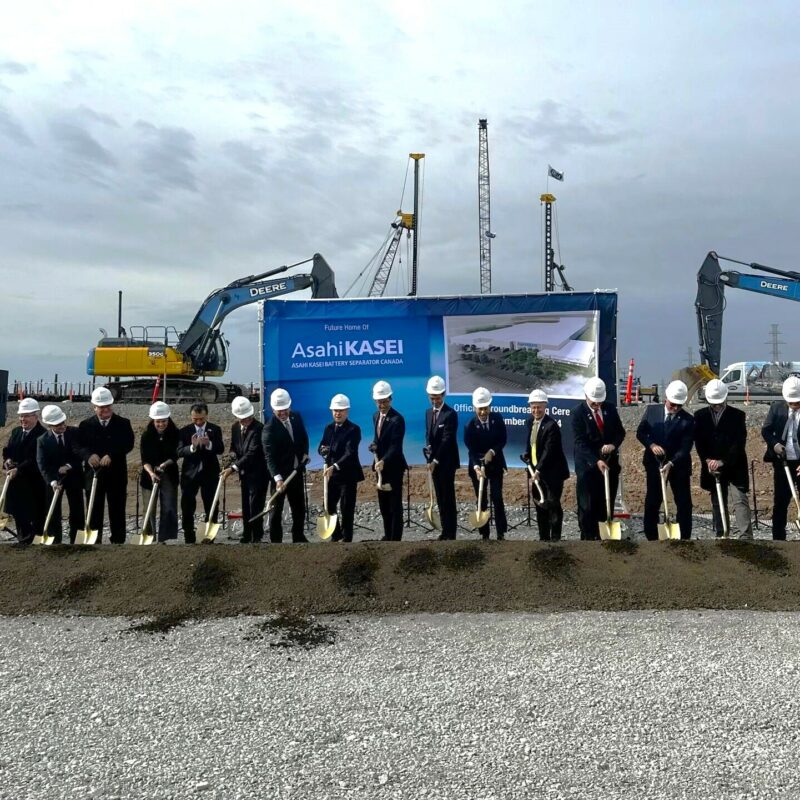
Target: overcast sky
{"points": [[168, 148]]}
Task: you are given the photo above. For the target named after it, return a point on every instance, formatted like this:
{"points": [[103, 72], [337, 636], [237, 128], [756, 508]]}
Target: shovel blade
{"points": [[212, 529], [663, 532], [142, 538], [91, 537], [385, 487], [4, 520], [610, 531], [477, 519], [433, 518], [48, 540], [326, 525], [39, 539], [86, 537]]}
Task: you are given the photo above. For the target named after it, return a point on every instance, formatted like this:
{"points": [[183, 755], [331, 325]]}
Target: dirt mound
{"points": [[172, 584]]}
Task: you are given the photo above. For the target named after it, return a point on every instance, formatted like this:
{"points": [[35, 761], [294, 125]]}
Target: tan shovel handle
{"points": [[4, 492], [607, 482], [150, 506], [792, 486], [325, 479], [723, 511], [56, 494], [215, 502], [90, 507], [664, 494]]}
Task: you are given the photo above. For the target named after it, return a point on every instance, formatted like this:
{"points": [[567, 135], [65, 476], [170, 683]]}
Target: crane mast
{"points": [[485, 234]]}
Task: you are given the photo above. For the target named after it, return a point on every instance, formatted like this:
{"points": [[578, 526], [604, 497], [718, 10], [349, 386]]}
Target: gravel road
{"points": [[579, 705]]}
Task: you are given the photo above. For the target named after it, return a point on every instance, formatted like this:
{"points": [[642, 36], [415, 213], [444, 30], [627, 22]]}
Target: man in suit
{"points": [[60, 464], [598, 434], [339, 449], [545, 455], [720, 436], [485, 437], [285, 444], [387, 447], [200, 446], [104, 441], [251, 467], [780, 432], [667, 433], [25, 500], [441, 453]]}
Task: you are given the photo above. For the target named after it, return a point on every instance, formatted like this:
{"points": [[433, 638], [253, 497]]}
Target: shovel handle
{"points": [[215, 502], [56, 494], [4, 492], [664, 494], [92, 495], [792, 485], [150, 506], [607, 483], [723, 509]]}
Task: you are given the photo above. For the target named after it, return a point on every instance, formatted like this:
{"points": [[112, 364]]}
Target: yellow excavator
{"points": [[186, 359]]}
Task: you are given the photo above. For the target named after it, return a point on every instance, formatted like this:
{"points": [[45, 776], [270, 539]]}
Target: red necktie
{"points": [[599, 420]]}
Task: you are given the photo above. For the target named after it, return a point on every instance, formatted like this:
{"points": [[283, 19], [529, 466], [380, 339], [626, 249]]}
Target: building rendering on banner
{"points": [[555, 338]]}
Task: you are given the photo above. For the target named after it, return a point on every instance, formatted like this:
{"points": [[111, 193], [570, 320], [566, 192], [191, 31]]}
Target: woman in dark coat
{"points": [[159, 451]]}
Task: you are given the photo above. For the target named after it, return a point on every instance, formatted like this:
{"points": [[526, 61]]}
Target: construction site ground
{"points": [[418, 574]]}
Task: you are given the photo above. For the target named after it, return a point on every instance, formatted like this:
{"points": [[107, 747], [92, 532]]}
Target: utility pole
{"points": [[414, 259], [689, 356], [775, 341], [485, 234]]}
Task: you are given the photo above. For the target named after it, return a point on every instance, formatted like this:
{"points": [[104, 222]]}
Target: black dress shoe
{"points": [[301, 540], [385, 539], [337, 536], [500, 537]]}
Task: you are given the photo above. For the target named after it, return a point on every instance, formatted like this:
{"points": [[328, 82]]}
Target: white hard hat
{"points": [[595, 390], [481, 397], [28, 406], [716, 392], [280, 400], [159, 410], [381, 390], [102, 397], [677, 393], [791, 389], [242, 408], [53, 415], [537, 396], [436, 385], [339, 402]]}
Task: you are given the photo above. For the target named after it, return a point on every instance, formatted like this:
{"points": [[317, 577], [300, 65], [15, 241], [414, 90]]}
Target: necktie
{"points": [[534, 434], [380, 423], [288, 425], [60, 439], [669, 420], [435, 416], [599, 420]]}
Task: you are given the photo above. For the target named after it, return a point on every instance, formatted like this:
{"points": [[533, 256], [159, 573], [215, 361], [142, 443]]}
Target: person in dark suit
{"points": [[60, 464], [545, 455], [25, 500], [285, 443], [720, 436], [159, 452], [387, 446], [441, 454], [200, 445], [104, 441], [485, 437], [339, 449], [780, 432], [667, 433], [251, 467], [598, 434]]}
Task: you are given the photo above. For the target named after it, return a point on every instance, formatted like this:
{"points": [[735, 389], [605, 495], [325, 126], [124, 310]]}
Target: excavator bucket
{"points": [[694, 377]]}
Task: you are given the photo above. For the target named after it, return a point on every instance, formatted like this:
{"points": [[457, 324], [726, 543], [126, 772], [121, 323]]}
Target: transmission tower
{"points": [[775, 341], [485, 234]]}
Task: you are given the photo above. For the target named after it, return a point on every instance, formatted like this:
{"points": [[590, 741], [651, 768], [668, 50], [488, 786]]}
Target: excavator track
{"points": [[178, 391]]}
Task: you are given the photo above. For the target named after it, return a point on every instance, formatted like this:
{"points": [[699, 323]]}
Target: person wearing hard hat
{"points": [[598, 434], [60, 464], [485, 437], [285, 443], [200, 445], [25, 500], [545, 455], [667, 433], [441, 454], [159, 451], [339, 450], [104, 441], [251, 467], [389, 428], [780, 432], [720, 436]]}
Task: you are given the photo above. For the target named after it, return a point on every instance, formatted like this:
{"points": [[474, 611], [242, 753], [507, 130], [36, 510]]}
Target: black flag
{"points": [[554, 173]]}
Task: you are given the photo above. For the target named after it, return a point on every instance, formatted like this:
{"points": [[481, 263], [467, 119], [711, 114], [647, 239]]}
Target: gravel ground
{"points": [[626, 705]]}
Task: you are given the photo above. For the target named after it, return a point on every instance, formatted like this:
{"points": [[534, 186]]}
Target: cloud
{"points": [[12, 129], [247, 156], [167, 157], [96, 116], [80, 144], [13, 68]]}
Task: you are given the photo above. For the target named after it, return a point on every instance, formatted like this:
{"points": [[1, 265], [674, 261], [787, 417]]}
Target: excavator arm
{"points": [[197, 343]]}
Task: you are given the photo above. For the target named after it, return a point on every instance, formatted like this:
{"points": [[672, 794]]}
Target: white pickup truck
{"points": [[757, 381]]}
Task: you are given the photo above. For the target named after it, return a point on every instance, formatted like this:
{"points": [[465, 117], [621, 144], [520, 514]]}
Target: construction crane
{"points": [[485, 234], [201, 350], [551, 268], [404, 222]]}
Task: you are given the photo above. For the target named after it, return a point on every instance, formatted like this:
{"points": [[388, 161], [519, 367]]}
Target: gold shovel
{"points": [[793, 487], [87, 535], [271, 500], [4, 518], [212, 528], [609, 529], [478, 518], [723, 509], [145, 537], [668, 529], [431, 513], [382, 487], [326, 523], [45, 538], [542, 500]]}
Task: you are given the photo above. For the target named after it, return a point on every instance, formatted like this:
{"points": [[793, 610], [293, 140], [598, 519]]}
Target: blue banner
{"points": [[510, 344]]}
